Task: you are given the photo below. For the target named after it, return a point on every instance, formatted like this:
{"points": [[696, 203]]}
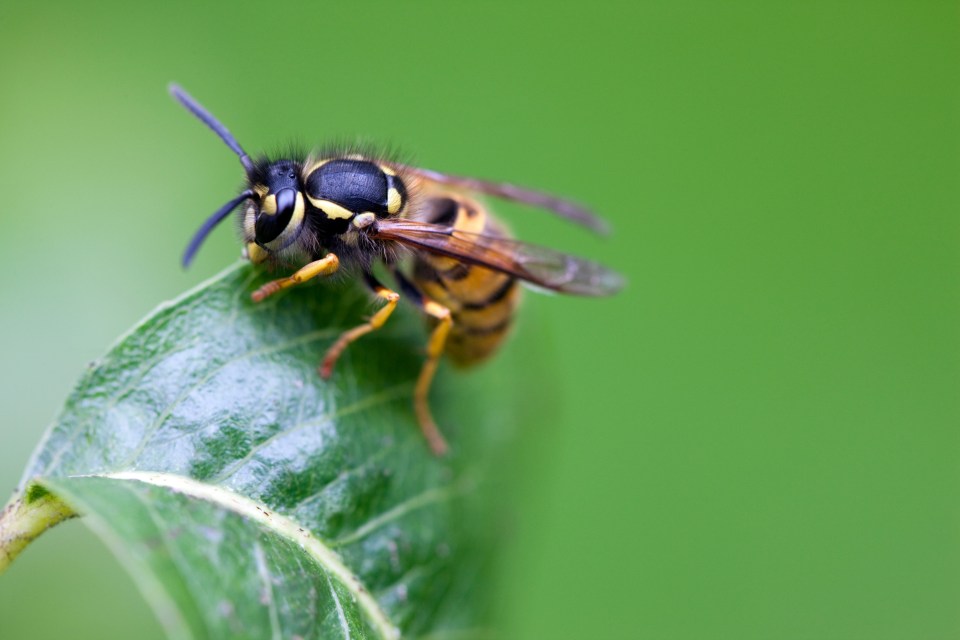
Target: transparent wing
{"points": [[563, 208], [541, 266]]}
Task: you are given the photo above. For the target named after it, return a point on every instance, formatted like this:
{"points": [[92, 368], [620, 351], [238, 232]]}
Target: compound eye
{"points": [[269, 226]]}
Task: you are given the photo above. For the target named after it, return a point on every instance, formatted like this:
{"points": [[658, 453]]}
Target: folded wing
{"points": [[564, 208], [538, 265]]}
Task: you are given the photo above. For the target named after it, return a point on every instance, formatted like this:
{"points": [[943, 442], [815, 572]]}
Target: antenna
{"points": [[209, 224], [204, 116]]}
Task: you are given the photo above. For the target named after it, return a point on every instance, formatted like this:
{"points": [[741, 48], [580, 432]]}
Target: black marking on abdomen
{"points": [[482, 300], [494, 297], [500, 327], [442, 211], [458, 271]]}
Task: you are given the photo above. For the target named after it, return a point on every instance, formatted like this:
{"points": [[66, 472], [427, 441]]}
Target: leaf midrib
{"points": [[280, 525]]}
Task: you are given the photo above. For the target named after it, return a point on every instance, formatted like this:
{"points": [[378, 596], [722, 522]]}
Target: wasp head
{"points": [[273, 216], [273, 204]]}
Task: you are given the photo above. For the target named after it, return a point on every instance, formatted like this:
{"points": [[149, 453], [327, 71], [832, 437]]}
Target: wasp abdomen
{"points": [[481, 301]]}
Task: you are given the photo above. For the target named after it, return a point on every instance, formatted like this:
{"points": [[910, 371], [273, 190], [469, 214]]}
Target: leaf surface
{"points": [[248, 497]]}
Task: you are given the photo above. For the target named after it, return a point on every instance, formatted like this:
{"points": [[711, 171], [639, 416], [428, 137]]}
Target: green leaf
{"points": [[250, 498]]}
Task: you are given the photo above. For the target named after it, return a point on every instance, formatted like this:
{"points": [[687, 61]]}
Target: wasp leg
{"points": [[322, 267], [375, 322], [435, 345]]}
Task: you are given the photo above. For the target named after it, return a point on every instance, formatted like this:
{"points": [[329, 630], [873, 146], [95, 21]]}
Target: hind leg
{"points": [[435, 345]]}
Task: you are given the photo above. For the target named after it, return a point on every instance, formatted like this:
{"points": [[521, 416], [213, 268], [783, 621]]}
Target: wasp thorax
{"points": [[342, 188]]}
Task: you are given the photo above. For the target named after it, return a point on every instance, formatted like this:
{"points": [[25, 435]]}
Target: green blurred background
{"points": [[757, 439]]}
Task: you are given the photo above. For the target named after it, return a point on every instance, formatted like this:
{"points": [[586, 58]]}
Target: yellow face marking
{"points": [[332, 209], [261, 190], [254, 253], [249, 220], [387, 170], [293, 227], [269, 205], [394, 201]]}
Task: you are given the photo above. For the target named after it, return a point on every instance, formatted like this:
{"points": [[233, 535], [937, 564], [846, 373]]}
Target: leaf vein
{"points": [[340, 614], [279, 525], [264, 571], [367, 402], [152, 429], [431, 496]]}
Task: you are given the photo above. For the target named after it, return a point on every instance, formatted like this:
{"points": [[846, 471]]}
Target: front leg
{"points": [[322, 267]]}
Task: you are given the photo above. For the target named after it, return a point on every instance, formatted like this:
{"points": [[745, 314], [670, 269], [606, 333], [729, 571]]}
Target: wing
{"points": [[563, 208], [541, 266]]}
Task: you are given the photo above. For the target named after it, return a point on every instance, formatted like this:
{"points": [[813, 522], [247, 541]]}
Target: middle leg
{"points": [[376, 321]]}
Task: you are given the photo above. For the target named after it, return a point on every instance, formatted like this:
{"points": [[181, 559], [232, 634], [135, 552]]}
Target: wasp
{"points": [[340, 210]]}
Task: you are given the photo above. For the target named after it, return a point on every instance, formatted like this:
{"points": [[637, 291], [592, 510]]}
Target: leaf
{"points": [[247, 496]]}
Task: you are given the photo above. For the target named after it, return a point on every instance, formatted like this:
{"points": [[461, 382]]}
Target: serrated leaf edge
{"points": [[279, 525]]}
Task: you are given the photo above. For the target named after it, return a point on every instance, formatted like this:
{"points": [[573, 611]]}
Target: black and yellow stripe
{"points": [[482, 302], [341, 188]]}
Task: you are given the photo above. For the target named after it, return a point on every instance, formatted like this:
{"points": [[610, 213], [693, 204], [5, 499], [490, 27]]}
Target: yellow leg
{"points": [[323, 267], [434, 350], [375, 322]]}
